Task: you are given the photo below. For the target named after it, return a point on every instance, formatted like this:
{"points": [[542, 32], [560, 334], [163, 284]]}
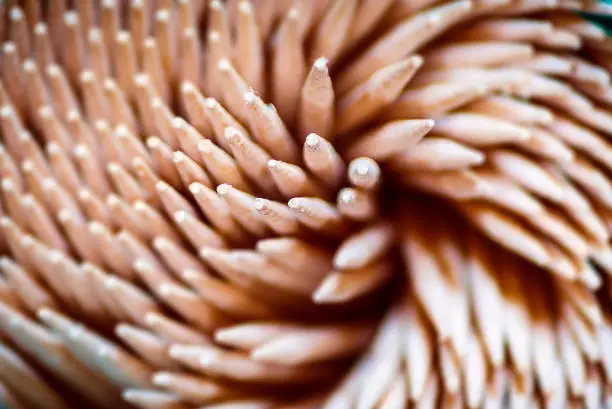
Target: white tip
{"points": [[178, 157], [312, 140], [101, 125], [111, 282], [293, 13], [27, 241], [162, 14], [87, 76], [151, 318], [84, 194], [27, 200], [321, 63], [123, 36], [189, 275], [112, 200], [175, 351], [273, 164], [210, 103], [53, 70], [48, 184], [16, 13], [161, 242], [347, 196], [40, 28], [162, 379], [55, 257], [122, 330], [104, 351], [149, 42], [71, 18], [109, 85], [45, 112], [325, 290], [245, 7], [139, 264], [122, 131], [94, 35], [27, 166], [114, 168], [294, 203], [139, 205], [95, 228], [195, 188], [362, 169], [177, 122], [165, 290], [224, 65], [231, 133], [259, 204], [64, 215], [9, 47], [141, 79], [223, 189], [153, 142], [29, 65], [6, 110], [249, 96], [44, 313], [188, 86], [53, 148], [205, 146], [180, 216], [207, 357], [7, 184], [162, 186]]}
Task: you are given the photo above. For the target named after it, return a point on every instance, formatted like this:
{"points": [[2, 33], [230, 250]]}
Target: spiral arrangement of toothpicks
{"points": [[305, 204]]}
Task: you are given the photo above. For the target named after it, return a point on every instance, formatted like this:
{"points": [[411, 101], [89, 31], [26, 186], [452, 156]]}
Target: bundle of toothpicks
{"points": [[305, 204]]}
